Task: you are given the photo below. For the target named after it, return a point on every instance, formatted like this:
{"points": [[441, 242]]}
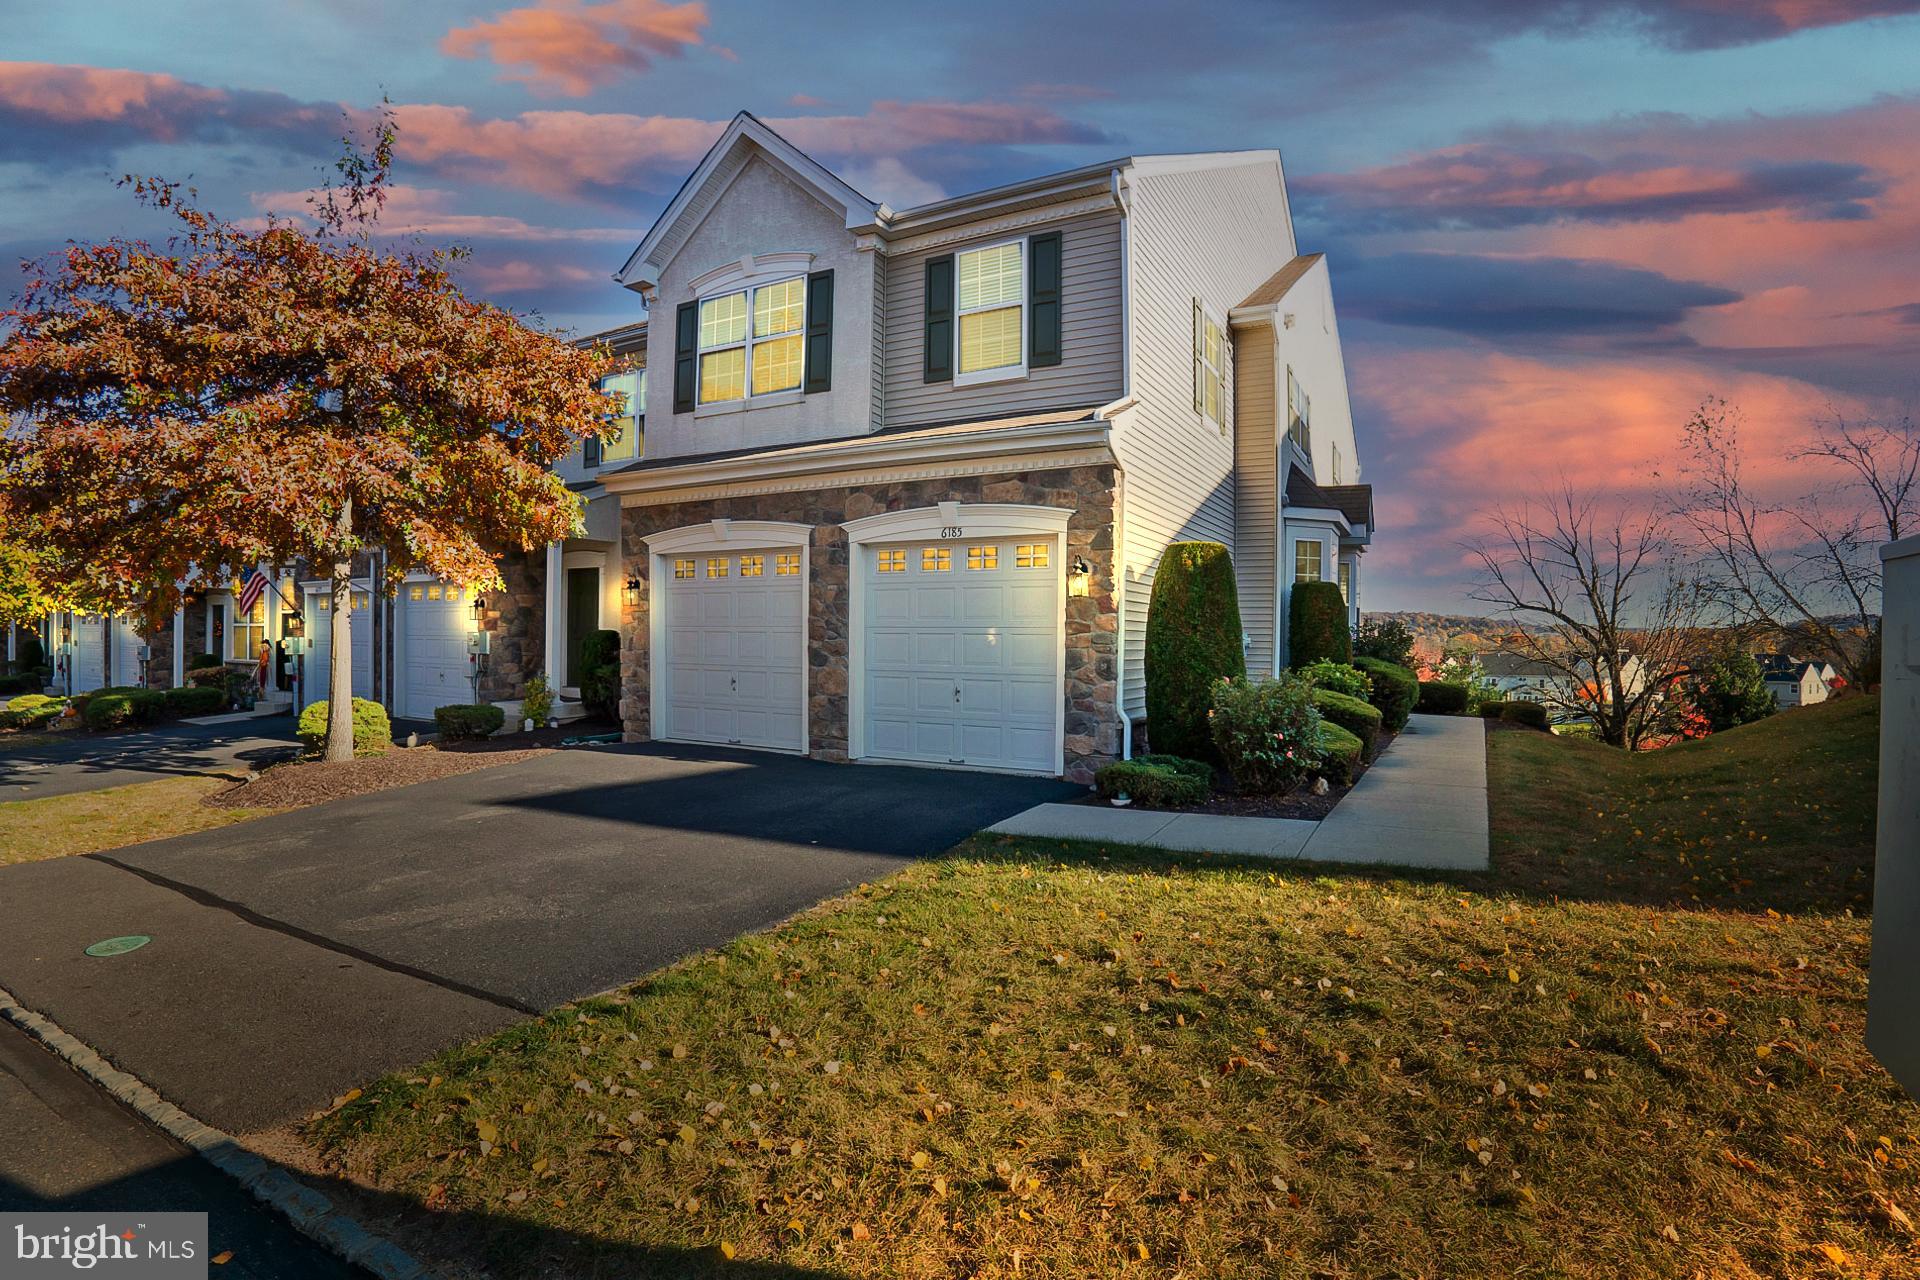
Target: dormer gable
{"points": [[744, 140]]}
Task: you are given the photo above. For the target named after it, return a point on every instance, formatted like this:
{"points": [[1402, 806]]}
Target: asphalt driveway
{"points": [[296, 956], [78, 762]]}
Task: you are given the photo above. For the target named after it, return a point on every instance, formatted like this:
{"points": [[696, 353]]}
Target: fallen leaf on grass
{"points": [[1834, 1253], [221, 1258], [859, 1231]]}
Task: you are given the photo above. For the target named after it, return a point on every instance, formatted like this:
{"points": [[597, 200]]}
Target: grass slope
{"points": [[56, 826], [1037, 1059]]}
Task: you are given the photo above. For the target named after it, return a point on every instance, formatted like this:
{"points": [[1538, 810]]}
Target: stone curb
{"points": [[310, 1212]]}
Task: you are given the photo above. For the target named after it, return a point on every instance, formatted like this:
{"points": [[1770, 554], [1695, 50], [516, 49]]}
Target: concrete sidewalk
{"points": [[1423, 803]]}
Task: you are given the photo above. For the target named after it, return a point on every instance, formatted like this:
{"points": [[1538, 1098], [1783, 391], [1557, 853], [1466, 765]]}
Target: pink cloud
{"points": [[520, 276], [73, 95], [428, 211], [569, 48]]}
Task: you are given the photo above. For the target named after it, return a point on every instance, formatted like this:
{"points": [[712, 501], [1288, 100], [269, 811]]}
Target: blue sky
{"points": [[1552, 227]]}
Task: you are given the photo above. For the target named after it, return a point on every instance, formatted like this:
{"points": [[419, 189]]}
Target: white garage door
{"points": [[962, 652], [319, 621], [735, 647], [127, 667], [89, 653], [434, 666]]}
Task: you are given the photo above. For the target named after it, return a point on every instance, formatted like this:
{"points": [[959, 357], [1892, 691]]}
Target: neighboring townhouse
{"points": [[907, 475], [1795, 682], [1524, 680]]}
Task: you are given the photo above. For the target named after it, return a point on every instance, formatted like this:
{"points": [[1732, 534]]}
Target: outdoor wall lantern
{"points": [[631, 592], [1079, 578], [479, 611], [293, 626]]}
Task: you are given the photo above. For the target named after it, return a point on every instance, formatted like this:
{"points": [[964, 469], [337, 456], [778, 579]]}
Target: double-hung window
{"points": [[1306, 560], [249, 630], [1209, 366], [752, 342], [992, 309], [630, 418]]}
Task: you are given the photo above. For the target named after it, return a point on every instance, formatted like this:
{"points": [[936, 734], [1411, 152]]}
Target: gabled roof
{"points": [[1354, 501], [747, 129], [1512, 665], [1279, 282]]}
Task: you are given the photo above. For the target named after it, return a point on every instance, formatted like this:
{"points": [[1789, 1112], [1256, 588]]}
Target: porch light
{"points": [[479, 610], [1080, 578], [630, 593], [293, 626]]}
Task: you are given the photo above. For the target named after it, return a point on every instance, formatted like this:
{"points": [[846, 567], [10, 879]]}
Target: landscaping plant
{"points": [[536, 702], [1357, 717], [400, 418], [1442, 698], [120, 707], [1530, 714], [1728, 691], [372, 730], [31, 711], [193, 700], [1267, 732], [1341, 677], [468, 722], [1157, 780], [1340, 754], [1395, 690], [1387, 639], [1317, 625], [600, 679], [1192, 643]]}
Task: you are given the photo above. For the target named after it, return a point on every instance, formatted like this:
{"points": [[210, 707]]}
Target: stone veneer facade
{"points": [[1092, 625], [517, 619]]}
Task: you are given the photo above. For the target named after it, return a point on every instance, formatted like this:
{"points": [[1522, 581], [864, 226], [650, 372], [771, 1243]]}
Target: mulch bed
{"points": [[1299, 803]]}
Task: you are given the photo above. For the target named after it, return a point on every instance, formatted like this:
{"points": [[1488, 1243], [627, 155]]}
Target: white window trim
{"points": [[975, 521], [1004, 373], [639, 417], [1208, 316], [752, 399], [722, 535]]}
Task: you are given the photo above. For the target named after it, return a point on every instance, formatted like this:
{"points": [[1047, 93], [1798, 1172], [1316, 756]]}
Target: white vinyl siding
{"points": [[1257, 506], [1090, 371], [1214, 234]]}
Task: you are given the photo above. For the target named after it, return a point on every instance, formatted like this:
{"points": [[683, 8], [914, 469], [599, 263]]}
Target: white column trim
{"points": [[550, 633]]}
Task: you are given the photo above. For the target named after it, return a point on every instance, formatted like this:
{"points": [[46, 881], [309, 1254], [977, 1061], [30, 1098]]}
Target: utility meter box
{"points": [[478, 644], [1893, 993]]}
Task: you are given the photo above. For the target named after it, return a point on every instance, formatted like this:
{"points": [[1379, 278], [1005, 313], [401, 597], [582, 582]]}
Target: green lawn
{"points": [[1036, 1059], [57, 826]]}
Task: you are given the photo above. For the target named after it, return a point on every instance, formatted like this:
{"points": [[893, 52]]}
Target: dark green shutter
{"points": [[819, 375], [939, 320], [686, 335], [1043, 300]]}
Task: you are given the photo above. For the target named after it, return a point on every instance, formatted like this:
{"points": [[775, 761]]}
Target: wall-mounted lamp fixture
{"points": [[479, 610], [1079, 578], [630, 593], [293, 626]]}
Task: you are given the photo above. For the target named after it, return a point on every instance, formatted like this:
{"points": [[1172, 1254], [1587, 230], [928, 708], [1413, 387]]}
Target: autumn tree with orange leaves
{"points": [[279, 394]]}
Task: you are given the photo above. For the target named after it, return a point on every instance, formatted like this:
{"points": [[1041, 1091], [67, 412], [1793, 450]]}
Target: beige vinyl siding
{"points": [[1215, 234], [1256, 514], [877, 363], [1090, 370]]}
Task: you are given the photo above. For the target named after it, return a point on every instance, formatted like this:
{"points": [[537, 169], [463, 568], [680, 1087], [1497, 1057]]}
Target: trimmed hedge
{"points": [[1395, 689], [1441, 698], [24, 682], [1530, 714], [1317, 625], [468, 721], [202, 660], [600, 673], [1340, 754], [31, 711], [372, 731], [1155, 780], [1192, 643], [1357, 717], [1341, 677], [192, 700], [1491, 709], [120, 707]]}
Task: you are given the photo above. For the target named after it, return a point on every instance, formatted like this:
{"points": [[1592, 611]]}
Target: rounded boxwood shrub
{"points": [[28, 654], [1317, 625], [1340, 754], [372, 730], [120, 707], [1357, 717], [1395, 690], [193, 700], [1154, 780], [1192, 643], [1441, 698], [599, 674], [1530, 714], [1341, 677], [1267, 731], [465, 722], [1491, 709], [31, 711]]}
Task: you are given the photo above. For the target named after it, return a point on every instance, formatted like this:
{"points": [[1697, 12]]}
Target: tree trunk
{"points": [[340, 670]]}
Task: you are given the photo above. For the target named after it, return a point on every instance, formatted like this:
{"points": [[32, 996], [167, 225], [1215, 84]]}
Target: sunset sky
{"points": [[1553, 227]]}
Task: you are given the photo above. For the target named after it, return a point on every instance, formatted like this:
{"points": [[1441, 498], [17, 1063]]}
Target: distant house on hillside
{"points": [[1795, 682], [1523, 679]]}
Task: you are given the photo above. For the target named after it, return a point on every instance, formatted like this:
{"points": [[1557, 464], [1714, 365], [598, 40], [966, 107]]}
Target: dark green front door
{"points": [[583, 616]]}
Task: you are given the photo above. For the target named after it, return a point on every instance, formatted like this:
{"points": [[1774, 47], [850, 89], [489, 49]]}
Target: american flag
{"points": [[256, 586]]}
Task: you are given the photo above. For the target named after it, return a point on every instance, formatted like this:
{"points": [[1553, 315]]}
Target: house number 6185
{"points": [[953, 531]]}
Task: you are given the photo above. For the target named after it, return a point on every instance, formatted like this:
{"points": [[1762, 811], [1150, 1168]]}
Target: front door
{"points": [[583, 617]]}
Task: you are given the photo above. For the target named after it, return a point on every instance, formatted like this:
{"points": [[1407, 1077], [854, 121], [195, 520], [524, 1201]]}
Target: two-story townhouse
{"points": [[907, 475]]}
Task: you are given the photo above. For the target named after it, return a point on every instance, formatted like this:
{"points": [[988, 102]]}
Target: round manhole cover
{"points": [[119, 946]]}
